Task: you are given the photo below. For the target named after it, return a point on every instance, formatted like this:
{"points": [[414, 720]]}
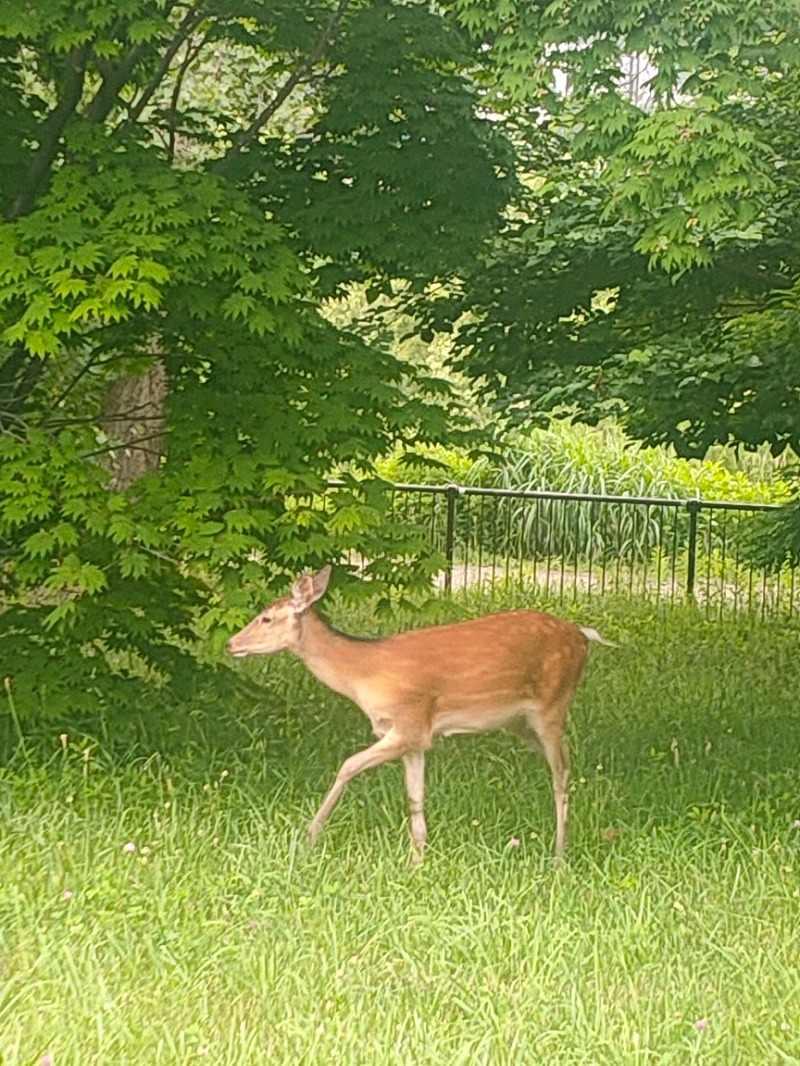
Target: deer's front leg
{"points": [[389, 747]]}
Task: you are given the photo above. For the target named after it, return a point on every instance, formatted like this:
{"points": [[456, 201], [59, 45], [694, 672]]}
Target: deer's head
{"points": [[279, 626]]}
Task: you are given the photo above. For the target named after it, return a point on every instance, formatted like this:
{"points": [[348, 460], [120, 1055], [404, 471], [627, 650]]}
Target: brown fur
{"points": [[518, 670]]}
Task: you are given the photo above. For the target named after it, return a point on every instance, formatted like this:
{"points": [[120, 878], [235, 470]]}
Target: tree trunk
{"points": [[134, 417]]}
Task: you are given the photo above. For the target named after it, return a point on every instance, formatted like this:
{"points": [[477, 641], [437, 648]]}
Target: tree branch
{"points": [[19, 375], [190, 22], [134, 446], [188, 59], [93, 361], [247, 135], [114, 78], [51, 130]]}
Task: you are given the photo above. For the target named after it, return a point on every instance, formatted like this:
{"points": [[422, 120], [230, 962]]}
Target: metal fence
{"points": [[573, 545]]}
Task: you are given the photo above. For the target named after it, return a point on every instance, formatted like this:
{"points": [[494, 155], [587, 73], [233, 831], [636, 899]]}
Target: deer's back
{"points": [[498, 665]]}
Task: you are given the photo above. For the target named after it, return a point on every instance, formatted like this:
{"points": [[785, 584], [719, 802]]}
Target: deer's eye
{"points": [[266, 619]]}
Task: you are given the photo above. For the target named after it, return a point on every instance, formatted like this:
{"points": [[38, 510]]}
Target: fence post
{"points": [[693, 507], [451, 492]]}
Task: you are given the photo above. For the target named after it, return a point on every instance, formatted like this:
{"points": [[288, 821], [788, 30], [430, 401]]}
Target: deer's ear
{"points": [[307, 590], [320, 582]]}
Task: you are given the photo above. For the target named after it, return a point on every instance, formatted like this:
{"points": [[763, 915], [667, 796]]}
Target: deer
{"points": [[515, 670]]}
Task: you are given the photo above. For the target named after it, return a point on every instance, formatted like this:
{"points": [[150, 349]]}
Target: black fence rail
{"points": [[573, 545]]}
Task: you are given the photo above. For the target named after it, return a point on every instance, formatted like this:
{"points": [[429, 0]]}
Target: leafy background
{"points": [[248, 246]]}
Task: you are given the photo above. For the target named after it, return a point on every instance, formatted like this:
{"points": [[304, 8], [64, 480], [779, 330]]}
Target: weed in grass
{"points": [[669, 936]]}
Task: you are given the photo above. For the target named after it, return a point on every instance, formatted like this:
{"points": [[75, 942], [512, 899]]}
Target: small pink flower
{"points": [[67, 894], [701, 1024], [514, 842], [796, 823], [129, 848], [46, 1060]]}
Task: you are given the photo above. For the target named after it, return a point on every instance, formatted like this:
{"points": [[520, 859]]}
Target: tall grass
{"points": [[602, 461], [158, 904]]}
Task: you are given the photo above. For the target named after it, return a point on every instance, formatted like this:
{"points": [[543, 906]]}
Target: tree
{"points": [[182, 186], [650, 266]]}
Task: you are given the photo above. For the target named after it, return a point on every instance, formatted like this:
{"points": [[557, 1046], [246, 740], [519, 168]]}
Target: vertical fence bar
{"points": [[576, 552], [451, 494], [466, 518], [508, 537], [791, 592], [723, 551], [693, 507], [433, 523], [590, 550], [562, 552], [521, 544], [673, 576], [659, 552], [708, 552], [736, 565], [481, 538]]}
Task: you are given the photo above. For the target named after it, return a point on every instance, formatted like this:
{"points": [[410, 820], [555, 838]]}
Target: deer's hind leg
{"points": [[545, 735], [414, 763]]}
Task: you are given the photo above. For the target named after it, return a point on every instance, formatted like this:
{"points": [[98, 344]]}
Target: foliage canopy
{"points": [[650, 266], [182, 185], [600, 201]]}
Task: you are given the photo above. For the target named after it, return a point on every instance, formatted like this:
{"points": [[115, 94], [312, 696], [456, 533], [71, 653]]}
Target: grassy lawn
{"points": [[158, 904]]}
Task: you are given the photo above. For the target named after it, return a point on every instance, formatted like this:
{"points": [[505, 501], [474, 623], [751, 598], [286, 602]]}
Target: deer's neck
{"points": [[337, 660]]}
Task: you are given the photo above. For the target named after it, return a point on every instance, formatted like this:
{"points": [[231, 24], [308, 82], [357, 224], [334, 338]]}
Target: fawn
{"points": [[516, 670]]}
